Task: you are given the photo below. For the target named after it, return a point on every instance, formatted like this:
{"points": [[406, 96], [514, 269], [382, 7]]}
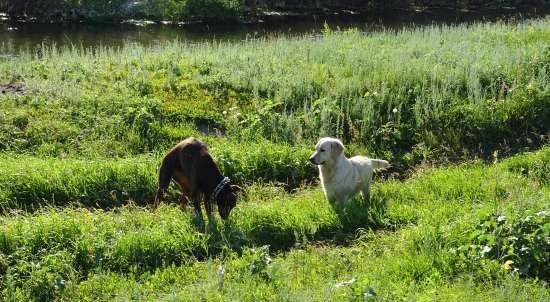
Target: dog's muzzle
{"points": [[312, 160]]}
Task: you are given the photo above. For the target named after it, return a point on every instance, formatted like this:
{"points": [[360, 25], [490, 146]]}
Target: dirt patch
{"points": [[209, 130], [14, 88]]}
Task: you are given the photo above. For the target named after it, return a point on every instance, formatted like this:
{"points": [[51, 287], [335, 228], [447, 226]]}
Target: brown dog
{"points": [[194, 170]]}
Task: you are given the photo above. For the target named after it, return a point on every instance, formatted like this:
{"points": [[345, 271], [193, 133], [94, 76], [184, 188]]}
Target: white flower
{"points": [[394, 110]]}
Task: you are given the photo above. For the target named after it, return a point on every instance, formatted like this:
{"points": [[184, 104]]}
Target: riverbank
{"points": [[235, 11], [430, 94], [83, 130]]}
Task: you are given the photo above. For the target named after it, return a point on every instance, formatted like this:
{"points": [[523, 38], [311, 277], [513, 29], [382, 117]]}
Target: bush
{"points": [[520, 244], [532, 165]]}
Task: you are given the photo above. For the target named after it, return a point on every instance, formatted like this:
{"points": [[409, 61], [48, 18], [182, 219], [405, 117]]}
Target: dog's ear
{"points": [[236, 189], [336, 148]]}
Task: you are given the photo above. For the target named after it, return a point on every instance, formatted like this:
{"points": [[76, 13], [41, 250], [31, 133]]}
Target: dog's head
{"points": [[227, 200], [327, 150]]}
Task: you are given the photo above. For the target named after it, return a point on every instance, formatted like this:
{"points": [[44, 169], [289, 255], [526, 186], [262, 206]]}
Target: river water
{"points": [[17, 37]]}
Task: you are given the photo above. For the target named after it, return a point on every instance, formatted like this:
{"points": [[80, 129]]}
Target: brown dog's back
{"points": [[181, 163], [192, 167]]}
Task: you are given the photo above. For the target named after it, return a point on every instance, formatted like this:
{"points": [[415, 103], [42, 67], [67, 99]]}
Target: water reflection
{"points": [[15, 37]]}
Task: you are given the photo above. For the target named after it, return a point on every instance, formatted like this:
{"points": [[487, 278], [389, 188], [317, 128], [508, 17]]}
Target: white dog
{"points": [[342, 178]]}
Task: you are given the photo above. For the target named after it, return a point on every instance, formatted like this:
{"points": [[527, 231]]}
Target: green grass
{"points": [[26, 182], [80, 148], [428, 94], [416, 236]]}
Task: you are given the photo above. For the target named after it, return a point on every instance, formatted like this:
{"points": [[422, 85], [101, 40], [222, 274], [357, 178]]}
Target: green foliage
{"points": [[520, 245], [29, 183], [44, 280], [159, 10], [409, 97], [431, 232], [230, 10], [534, 165]]}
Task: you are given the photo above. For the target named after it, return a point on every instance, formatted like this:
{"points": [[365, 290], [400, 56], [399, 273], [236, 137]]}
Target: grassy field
{"points": [[411, 96], [81, 141], [473, 231]]}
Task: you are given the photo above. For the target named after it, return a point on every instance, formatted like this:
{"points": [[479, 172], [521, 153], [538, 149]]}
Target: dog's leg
{"points": [[208, 207], [196, 198], [211, 220], [184, 200], [165, 175], [185, 195], [366, 192]]}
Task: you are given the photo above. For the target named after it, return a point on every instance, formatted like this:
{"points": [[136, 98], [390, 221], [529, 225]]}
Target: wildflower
{"points": [[394, 110], [508, 265]]}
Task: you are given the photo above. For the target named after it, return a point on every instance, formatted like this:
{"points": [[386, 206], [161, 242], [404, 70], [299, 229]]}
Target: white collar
{"points": [[219, 188]]}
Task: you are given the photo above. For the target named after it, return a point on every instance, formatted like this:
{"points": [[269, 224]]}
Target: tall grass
{"points": [[28, 182], [429, 93], [424, 231], [92, 125]]}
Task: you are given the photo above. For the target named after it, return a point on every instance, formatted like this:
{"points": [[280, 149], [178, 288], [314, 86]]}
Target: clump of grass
{"points": [[534, 165], [28, 182], [133, 238]]}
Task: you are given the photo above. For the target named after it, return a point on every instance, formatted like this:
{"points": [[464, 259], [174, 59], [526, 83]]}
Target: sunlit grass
{"points": [[403, 243], [81, 148], [431, 93]]}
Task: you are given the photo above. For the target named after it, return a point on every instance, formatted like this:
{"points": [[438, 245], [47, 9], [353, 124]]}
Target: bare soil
{"points": [[14, 88]]}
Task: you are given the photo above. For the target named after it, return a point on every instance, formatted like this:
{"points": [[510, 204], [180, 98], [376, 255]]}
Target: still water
{"points": [[17, 37]]}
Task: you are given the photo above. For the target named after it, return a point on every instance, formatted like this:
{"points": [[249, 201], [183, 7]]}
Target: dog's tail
{"points": [[380, 164]]}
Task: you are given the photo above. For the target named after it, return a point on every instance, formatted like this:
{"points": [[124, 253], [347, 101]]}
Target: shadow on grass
{"points": [[360, 212], [340, 228]]}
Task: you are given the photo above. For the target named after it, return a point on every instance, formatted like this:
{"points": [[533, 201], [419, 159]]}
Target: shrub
{"points": [[72, 10], [520, 244]]}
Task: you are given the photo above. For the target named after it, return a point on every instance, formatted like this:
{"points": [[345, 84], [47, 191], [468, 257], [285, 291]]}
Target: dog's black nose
{"points": [[311, 159]]}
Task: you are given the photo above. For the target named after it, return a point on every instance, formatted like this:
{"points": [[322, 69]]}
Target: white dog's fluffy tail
{"points": [[379, 164]]}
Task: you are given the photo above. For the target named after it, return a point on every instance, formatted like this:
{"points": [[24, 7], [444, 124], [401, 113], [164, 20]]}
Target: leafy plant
{"points": [[521, 244]]}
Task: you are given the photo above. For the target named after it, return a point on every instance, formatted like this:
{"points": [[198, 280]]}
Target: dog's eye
{"points": [[322, 150]]}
